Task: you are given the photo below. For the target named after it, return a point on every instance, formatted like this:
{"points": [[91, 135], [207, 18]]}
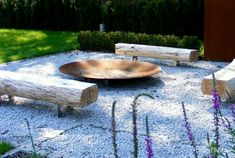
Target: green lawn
{"points": [[22, 44]]}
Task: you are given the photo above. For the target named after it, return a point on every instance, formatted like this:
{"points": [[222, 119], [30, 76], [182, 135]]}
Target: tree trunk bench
{"points": [[168, 53], [225, 82], [62, 92]]}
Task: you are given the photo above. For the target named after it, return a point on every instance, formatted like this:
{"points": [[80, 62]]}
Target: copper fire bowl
{"points": [[110, 69]]}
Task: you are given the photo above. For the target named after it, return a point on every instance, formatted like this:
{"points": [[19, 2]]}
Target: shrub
{"points": [[4, 147], [115, 36], [96, 41], [85, 40], [157, 40], [189, 42], [143, 38], [102, 41], [129, 38]]}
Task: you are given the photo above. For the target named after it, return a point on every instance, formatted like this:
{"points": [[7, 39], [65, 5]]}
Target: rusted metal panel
{"points": [[219, 30]]}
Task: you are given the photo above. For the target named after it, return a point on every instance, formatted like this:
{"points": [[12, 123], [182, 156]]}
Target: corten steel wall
{"points": [[219, 30]]}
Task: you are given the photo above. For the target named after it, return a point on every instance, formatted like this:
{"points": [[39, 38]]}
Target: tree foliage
{"points": [[179, 17]]}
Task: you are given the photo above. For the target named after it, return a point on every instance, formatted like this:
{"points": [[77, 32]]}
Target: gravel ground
{"points": [[86, 132]]}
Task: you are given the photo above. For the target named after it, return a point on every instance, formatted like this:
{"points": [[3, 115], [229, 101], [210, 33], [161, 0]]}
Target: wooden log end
{"points": [[207, 87], [225, 82], [193, 56], [89, 95]]}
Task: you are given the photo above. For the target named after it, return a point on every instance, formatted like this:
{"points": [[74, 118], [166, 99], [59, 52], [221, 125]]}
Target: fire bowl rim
{"points": [[155, 69]]}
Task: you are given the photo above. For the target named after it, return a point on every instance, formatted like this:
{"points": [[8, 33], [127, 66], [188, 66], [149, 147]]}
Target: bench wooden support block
{"points": [[1, 94], [169, 53], [59, 112], [10, 99], [225, 81], [52, 89], [135, 58]]}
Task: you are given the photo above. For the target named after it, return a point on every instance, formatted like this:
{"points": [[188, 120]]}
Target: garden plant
{"points": [[213, 145], [218, 121], [4, 147]]}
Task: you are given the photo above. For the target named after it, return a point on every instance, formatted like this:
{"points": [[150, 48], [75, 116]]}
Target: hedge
{"points": [[102, 41]]}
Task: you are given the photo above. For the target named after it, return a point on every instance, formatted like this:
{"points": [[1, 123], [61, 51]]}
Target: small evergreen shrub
{"points": [[129, 37], [101, 40], [105, 41], [157, 40], [85, 40], [4, 147], [171, 40], [115, 37], [96, 41], [189, 42], [143, 38]]}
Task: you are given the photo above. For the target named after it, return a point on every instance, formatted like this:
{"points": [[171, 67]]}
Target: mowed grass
{"points": [[21, 44]]}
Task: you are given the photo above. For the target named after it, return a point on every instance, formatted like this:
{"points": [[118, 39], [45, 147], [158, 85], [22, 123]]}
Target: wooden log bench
{"points": [[168, 53], [225, 82], [62, 92]]}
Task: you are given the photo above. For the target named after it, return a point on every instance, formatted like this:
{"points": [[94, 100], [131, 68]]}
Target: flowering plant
{"points": [[218, 120]]}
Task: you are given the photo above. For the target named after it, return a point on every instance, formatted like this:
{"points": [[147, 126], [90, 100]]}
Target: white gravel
{"points": [[86, 132]]}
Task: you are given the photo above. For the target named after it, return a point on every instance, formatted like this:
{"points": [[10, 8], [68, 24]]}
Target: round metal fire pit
{"points": [[110, 69]]}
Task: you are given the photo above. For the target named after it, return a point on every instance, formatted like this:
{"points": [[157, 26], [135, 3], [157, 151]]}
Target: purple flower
{"points": [[148, 140], [216, 105], [215, 99], [148, 144], [189, 132]]}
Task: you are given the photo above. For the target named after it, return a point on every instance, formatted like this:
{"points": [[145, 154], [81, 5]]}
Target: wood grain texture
{"points": [[169, 53], [225, 81], [51, 89]]}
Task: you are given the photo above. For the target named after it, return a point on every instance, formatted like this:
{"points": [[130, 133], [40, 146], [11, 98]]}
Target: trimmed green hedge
{"points": [[102, 41]]}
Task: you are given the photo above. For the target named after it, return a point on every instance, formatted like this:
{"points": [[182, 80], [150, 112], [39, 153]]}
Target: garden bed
{"points": [[86, 132]]}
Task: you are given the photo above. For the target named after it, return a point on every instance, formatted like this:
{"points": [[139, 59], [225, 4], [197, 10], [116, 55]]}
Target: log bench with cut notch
{"points": [[168, 53], [62, 92], [225, 82]]}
